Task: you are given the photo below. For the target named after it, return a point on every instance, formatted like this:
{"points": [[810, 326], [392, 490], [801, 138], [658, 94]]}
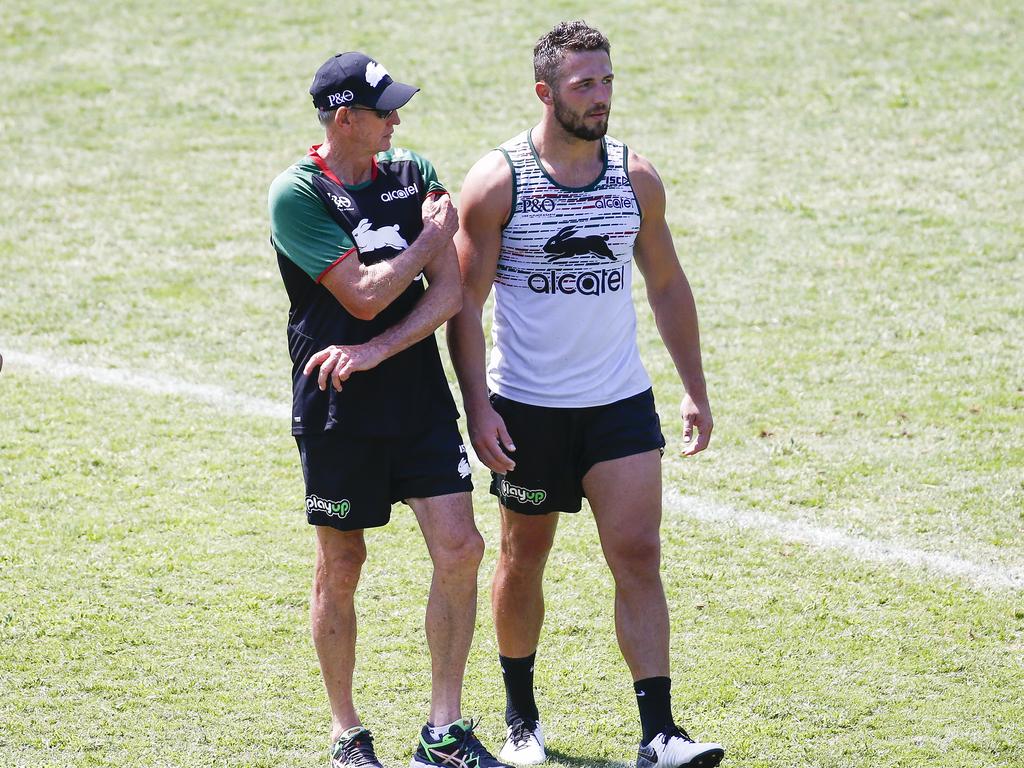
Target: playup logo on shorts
{"points": [[525, 495], [338, 509]]}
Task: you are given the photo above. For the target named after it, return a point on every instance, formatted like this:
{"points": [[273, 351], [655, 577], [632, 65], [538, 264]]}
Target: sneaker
{"points": [[524, 744], [354, 748], [459, 748], [675, 749]]}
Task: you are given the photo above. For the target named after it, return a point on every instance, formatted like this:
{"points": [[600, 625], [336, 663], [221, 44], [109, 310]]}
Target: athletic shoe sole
{"points": [[708, 759]]}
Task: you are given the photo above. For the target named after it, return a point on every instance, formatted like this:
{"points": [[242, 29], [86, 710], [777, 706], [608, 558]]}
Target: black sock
{"points": [[654, 697], [518, 676]]}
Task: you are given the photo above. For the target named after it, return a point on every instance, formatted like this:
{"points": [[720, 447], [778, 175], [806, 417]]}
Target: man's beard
{"points": [[573, 123]]}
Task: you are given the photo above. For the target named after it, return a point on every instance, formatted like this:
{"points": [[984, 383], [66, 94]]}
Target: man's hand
{"points": [[490, 439], [696, 414], [440, 219], [339, 363]]}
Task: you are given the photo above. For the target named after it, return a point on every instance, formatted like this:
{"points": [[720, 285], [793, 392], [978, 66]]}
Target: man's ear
{"points": [[543, 91], [343, 116]]}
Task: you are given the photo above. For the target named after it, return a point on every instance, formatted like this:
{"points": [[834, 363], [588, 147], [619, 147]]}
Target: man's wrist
{"points": [[476, 402], [432, 239], [698, 392]]}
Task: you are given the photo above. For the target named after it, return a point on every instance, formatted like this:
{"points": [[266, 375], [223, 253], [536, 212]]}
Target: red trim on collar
{"points": [[322, 164]]}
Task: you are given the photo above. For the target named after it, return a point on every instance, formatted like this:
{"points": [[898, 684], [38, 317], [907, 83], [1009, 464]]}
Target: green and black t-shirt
{"points": [[315, 222]]}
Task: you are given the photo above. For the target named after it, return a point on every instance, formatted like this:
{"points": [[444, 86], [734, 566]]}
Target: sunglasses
{"points": [[383, 114]]}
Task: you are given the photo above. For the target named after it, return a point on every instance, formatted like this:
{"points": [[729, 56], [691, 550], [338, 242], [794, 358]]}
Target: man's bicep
{"points": [[655, 254], [444, 265], [654, 249], [478, 245], [485, 204]]}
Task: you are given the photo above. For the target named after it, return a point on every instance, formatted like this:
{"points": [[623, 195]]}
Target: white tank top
{"points": [[564, 331]]}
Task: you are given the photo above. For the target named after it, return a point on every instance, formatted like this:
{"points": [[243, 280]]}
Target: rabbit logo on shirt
{"points": [[368, 239]]}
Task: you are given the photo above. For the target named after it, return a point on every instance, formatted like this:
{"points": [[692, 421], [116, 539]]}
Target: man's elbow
{"points": [[453, 304], [365, 308]]}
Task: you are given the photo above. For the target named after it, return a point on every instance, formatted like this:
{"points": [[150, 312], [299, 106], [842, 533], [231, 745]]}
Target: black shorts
{"points": [[351, 482], [556, 447]]}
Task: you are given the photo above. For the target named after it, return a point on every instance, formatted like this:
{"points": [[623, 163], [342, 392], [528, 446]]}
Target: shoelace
{"points": [[521, 731], [359, 750], [675, 730], [470, 744]]}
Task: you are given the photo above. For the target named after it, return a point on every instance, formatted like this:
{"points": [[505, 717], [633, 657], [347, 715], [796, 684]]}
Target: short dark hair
{"points": [[566, 36]]}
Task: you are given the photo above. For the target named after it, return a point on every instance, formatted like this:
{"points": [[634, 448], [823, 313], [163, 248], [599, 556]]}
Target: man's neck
{"points": [[570, 160], [350, 167]]}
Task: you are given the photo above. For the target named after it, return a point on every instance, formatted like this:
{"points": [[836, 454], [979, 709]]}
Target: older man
{"points": [[363, 234]]}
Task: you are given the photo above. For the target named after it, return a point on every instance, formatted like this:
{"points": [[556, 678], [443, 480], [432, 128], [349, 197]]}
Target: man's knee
{"points": [[635, 557], [338, 567], [461, 551], [525, 549]]}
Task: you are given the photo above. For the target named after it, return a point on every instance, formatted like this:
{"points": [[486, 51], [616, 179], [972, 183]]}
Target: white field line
{"points": [[821, 537], [871, 550], [217, 397]]}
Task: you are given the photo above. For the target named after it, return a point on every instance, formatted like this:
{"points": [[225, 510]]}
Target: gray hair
{"points": [[325, 116]]}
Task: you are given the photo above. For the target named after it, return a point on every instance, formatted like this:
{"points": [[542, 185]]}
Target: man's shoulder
{"points": [[490, 181], [639, 168], [297, 178], [632, 158], [293, 197]]}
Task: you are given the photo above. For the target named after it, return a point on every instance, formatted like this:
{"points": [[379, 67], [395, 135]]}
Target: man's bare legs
{"points": [[625, 495], [339, 560], [456, 549], [517, 592]]}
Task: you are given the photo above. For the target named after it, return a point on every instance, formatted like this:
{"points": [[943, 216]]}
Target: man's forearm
{"points": [[675, 314], [468, 351], [439, 302], [381, 283]]}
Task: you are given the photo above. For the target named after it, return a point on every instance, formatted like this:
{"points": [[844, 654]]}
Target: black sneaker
{"points": [[675, 749], [459, 748], [354, 748]]}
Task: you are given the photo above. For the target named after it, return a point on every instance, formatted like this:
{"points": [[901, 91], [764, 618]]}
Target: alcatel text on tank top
{"points": [[564, 331]]}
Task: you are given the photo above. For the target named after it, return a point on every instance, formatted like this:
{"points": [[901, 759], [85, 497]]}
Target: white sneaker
{"points": [[675, 749], [524, 744]]}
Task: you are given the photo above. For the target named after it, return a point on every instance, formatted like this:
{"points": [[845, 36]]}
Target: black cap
{"points": [[355, 78]]}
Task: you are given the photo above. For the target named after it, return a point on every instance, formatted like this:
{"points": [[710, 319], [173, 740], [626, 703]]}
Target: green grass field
{"points": [[845, 182]]}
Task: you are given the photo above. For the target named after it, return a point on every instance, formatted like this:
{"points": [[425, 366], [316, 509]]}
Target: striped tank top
{"points": [[564, 330]]}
